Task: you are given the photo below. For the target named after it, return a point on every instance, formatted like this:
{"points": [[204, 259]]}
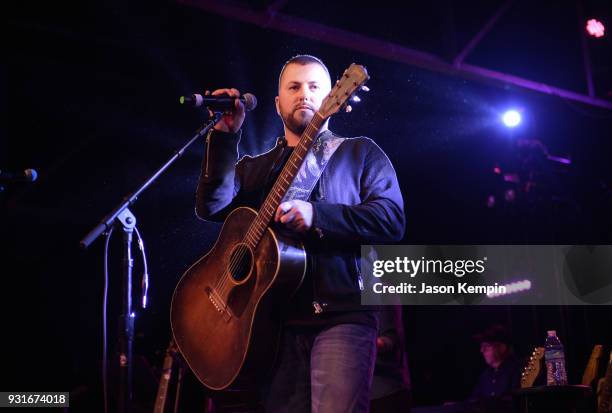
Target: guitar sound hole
{"points": [[240, 263]]}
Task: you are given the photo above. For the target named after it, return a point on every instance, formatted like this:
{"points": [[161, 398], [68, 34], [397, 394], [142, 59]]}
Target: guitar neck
{"points": [[605, 402], [283, 182], [352, 79], [590, 372], [162, 390]]}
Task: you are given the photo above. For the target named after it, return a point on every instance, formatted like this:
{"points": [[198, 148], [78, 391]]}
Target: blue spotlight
{"points": [[511, 118]]}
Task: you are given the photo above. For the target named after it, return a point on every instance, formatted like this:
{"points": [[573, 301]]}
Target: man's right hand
{"points": [[231, 121]]}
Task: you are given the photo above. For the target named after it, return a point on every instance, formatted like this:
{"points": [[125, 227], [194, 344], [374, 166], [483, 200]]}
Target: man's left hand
{"points": [[295, 215]]}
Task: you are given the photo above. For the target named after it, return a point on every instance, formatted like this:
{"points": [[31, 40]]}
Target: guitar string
{"points": [[236, 259]]}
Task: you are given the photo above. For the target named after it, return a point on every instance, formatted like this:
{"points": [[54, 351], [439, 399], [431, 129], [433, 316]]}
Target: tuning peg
{"points": [[348, 108], [356, 99], [365, 88]]}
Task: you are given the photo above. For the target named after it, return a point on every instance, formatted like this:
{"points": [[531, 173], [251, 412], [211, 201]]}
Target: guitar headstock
{"points": [[597, 351], [532, 369], [352, 79]]}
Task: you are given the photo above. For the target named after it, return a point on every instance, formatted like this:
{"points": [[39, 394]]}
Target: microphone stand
{"points": [[122, 217]]}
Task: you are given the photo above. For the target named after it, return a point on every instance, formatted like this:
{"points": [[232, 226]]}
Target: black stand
{"points": [[126, 335], [560, 399], [121, 215], [179, 383]]}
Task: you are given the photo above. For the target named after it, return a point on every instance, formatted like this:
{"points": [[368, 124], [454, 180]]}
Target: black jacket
{"points": [[356, 201]]}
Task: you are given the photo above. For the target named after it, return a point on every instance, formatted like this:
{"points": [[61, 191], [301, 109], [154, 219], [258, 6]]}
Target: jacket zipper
{"points": [[318, 307], [359, 277]]}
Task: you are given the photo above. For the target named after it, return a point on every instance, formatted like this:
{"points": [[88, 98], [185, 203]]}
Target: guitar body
{"points": [[223, 308]]}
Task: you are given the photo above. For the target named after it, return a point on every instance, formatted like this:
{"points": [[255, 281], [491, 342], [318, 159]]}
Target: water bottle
{"points": [[555, 360]]}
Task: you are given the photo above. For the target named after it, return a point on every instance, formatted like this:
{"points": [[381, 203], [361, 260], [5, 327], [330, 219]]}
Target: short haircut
{"points": [[303, 59]]}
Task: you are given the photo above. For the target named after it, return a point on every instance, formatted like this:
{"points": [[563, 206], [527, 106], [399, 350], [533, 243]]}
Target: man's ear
{"points": [[277, 107]]}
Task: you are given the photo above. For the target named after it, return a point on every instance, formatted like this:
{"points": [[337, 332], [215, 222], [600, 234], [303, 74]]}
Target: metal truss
{"points": [[272, 18]]}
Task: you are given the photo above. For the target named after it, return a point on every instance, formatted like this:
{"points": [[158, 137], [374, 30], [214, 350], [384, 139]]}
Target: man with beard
{"points": [[328, 346]]}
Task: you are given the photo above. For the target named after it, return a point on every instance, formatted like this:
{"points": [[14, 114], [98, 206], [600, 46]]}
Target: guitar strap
{"points": [[313, 166]]}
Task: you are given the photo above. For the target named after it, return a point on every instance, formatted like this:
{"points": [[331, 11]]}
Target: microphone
{"points": [[29, 175], [222, 102]]}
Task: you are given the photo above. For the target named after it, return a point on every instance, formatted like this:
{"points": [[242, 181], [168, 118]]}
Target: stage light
{"points": [[595, 28], [511, 118]]}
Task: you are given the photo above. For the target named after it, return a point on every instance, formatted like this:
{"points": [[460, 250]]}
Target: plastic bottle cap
{"points": [[552, 332]]}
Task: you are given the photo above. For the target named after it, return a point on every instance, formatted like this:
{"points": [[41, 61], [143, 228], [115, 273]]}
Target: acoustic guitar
{"points": [[224, 307]]}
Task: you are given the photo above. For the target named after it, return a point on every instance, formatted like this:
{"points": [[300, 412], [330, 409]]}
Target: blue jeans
{"points": [[323, 370]]}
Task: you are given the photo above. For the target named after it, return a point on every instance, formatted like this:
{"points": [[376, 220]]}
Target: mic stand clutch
{"points": [[123, 217]]}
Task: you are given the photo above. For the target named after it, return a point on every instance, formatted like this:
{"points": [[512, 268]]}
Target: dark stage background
{"points": [[91, 102]]}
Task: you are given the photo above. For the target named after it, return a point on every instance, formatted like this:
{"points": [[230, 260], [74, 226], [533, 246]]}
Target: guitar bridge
{"points": [[219, 304]]}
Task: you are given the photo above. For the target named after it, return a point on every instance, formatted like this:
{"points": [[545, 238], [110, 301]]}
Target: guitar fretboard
{"points": [[283, 182]]}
